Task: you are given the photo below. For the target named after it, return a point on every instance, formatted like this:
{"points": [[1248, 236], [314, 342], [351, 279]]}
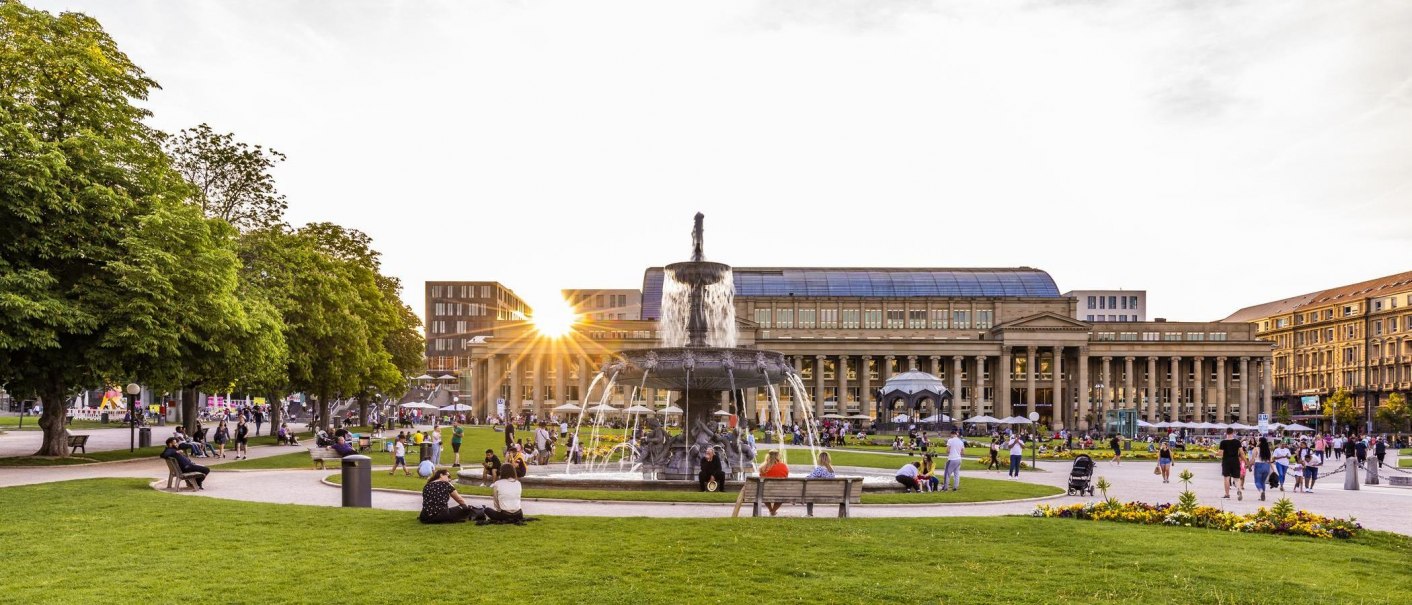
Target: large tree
{"points": [[1341, 409], [99, 257], [231, 179], [1393, 412]]}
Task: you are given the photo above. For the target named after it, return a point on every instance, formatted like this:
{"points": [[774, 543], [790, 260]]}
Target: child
{"points": [[399, 457], [1297, 469]]}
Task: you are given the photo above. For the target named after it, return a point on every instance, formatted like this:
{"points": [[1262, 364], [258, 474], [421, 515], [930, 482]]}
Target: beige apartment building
{"points": [[1004, 341], [1354, 337]]}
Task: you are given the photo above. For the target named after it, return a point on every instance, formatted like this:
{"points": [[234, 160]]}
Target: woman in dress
{"points": [[222, 436]]}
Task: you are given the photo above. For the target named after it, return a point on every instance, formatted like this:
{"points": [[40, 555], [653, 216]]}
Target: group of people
{"points": [[196, 444], [921, 475], [1269, 462]]}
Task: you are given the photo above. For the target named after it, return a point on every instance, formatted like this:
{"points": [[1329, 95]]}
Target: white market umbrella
{"points": [[828, 416], [639, 409], [448, 377], [1297, 428], [424, 377], [567, 407], [671, 409], [860, 417], [456, 407], [900, 418], [602, 407], [981, 420], [937, 418], [1018, 420], [1143, 424], [418, 405], [1162, 425], [1241, 426]]}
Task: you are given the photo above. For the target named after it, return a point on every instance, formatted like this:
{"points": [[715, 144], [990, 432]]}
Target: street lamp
{"points": [[132, 392], [1034, 443]]}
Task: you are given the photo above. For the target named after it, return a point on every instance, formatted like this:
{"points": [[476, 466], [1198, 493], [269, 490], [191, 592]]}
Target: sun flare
{"points": [[555, 319]]}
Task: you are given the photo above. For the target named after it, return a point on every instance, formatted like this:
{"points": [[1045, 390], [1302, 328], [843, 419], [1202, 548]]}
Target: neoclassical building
{"points": [[1004, 341]]}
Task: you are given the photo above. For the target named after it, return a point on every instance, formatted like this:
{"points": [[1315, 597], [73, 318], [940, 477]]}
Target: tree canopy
{"points": [[230, 179]]}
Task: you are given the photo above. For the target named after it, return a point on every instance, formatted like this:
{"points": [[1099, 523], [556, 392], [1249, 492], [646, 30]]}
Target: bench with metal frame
{"points": [[174, 474], [843, 491], [76, 443], [321, 454]]}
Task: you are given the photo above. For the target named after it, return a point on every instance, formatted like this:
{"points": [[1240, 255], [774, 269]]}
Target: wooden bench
{"points": [[174, 474], [320, 454], [76, 443], [842, 491]]}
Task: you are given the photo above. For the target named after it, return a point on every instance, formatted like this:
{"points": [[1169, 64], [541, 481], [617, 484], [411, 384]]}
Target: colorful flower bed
{"points": [[1133, 455], [1283, 519]]}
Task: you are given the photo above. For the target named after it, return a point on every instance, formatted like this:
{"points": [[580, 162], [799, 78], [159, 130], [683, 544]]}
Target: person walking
{"points": [[456, 434], [222, 436], [399, 456], [1380, 450], [994, 463], [1312, 463], [242, 439], [1117, 450], [1164, 462], [1281, 458], [1261, 470], [1017, 453], [1232, 464], [1350, 463], [259, 419], [951, 478], [436, 446]]}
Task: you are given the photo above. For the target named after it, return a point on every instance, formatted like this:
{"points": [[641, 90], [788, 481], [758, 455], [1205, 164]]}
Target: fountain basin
{"points": [[700, 368]]}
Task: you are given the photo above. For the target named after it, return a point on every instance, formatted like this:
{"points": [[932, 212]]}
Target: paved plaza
{"points": [[1380, 507]]}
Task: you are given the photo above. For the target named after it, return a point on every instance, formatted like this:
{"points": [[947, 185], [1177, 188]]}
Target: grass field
{"points": [[31, 423], [116, 455], [73, 536], [972, 490]]}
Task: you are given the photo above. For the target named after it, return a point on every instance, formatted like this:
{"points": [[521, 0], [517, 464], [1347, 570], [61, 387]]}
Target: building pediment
{"points": [[1042, 322]]}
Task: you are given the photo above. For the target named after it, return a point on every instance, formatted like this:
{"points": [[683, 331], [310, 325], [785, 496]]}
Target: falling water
{"points": [[806, 405], [718, 304], [583, 405]]}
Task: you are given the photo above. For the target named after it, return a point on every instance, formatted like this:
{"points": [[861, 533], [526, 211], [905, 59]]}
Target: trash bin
{"points": [[144, 437], [103, 418], [357, 481], [425, 452]]}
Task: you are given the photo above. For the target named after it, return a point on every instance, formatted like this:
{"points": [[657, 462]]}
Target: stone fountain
{"points": [[699, 361]]}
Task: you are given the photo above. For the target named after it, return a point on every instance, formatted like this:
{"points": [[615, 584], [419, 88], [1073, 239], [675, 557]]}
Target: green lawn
{"points": [[1405, 462], [12, 423], [972, 490], [258, 553], [122, 454]]}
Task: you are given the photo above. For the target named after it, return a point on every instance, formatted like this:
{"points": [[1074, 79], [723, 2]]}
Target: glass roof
{"points": [[871, 283]]}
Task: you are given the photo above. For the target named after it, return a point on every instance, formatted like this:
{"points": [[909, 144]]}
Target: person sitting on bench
{"points": [[286, 435], [711, 471], [184, 442], [183, 463], [490, 469], [344, 450]]}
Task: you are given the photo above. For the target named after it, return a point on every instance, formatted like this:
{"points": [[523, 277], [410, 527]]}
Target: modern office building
{"points": [[1097, 306], [1005, 341], [460, 312], [1354, 337], [599, 305]]}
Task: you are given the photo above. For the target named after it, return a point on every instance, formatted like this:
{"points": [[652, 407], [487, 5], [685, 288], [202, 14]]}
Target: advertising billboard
{"points": [[1309, 403]]}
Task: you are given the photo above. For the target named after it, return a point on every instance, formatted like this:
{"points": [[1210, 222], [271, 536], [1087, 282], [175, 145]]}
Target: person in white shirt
{"points": [[1312, 461], [954, 448], [1017, 453], [505, 498], [907, 476], [1281, 459]]}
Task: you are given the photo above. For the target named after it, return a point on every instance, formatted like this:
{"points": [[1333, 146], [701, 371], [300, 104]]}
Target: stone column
{"points": [[1267, 384], [1030, 372], [819, 385], [539, 385], [886, 371], [516, 403], [585, 368], [980, 388], [842, 370], [956, 382], [1174, 413], [911, 363], [561, 379], [936, 368], [1198, 385], [1245, 416], [1056, 370], [492, 386], [1222, 414], [1002, 395], [1129, 398], [865, 390], [1152, 407], [1082, 420], [1105, 399]]}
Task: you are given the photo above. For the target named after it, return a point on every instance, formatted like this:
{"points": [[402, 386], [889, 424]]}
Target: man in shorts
{"points": [[1230, 464]]}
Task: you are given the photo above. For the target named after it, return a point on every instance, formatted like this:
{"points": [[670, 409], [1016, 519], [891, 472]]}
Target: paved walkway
{"points": [[1377, 507], [26, 442]]}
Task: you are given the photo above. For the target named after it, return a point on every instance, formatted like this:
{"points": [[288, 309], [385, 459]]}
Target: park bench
{"points": [[320, 454], [174, 474], [842, 491], [76, 443]]}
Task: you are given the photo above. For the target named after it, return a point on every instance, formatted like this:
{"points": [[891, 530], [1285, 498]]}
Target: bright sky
{"points": [[1216, 154]]}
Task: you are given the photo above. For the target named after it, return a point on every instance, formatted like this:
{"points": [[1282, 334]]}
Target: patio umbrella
{"points": [[603, 408], [1018, 420], [448, 376], [900, 418], [1143, 424], [424, 377], [567, 407], [937, 418], [639, 409], [725, 413], [1162, 425], [981, 420], [418, 405], [828, 416], [1297, 427], [860, 417], [1241, 426], [456, 407], [671, 409]]}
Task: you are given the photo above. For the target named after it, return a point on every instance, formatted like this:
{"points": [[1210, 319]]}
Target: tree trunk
{"points": [[188, 407], [362, 411], [322, 407], [56, 435], [275, 417]]}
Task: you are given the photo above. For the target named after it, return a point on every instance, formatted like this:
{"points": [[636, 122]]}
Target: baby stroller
{"points": [[1081, 476]]}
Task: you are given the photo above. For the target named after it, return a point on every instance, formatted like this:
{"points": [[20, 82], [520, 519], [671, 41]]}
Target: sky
{"points": [[1215, 154]]}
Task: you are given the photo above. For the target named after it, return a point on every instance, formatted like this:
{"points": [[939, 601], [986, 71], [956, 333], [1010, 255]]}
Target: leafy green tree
{"points": [[1394, 412], [230, 179], [1341, 409], [1282, 415], [103, 270]]}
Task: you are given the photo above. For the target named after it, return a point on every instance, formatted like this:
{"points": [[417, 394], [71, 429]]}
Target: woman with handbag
{"points": [[1164, 463], [1261, 471]]}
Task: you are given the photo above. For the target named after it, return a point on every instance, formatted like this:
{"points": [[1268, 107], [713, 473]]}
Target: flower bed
{"points": [[1134, 455], [1282, 519]]}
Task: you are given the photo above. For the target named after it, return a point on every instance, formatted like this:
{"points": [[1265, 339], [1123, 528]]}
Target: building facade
{"points": [[1097, 306], [459, 312], [600, 305], [1005, 341], [1354, 337]]}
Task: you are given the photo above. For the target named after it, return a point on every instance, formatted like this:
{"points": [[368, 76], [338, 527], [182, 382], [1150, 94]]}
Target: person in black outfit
{"points": [[1380, 450], [436, 494], [185, 463], [1231, 464], [711, 469]]}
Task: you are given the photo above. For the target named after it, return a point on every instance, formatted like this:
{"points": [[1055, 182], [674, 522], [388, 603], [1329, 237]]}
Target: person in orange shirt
{"points": [[776, 468]]}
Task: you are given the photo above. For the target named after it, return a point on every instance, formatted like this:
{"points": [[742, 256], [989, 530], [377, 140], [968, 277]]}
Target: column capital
{"points": [[1221, 359], [1244, 359], [1129, 358], [932, 357], [981, 357], [889, 357], [1030, 349], [1176, 358], [1107, 359], [1152, 358], [821, 357], [867, 358], [911, 357], [1199, 358]]}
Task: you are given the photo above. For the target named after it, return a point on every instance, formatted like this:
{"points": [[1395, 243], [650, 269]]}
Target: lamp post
{"points": [[132, 392], [1034, 443]]}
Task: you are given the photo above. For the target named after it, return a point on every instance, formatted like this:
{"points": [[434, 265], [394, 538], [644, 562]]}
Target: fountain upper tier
{"points": [[699, 368]]}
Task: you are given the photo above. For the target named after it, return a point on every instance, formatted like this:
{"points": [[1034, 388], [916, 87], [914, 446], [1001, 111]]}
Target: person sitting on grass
{"points": [[505, 498], [907, 476], [185, 464], [490, 469], [774, 467], [437, 494], [344, 450], [287, 436], [926, 475]]}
